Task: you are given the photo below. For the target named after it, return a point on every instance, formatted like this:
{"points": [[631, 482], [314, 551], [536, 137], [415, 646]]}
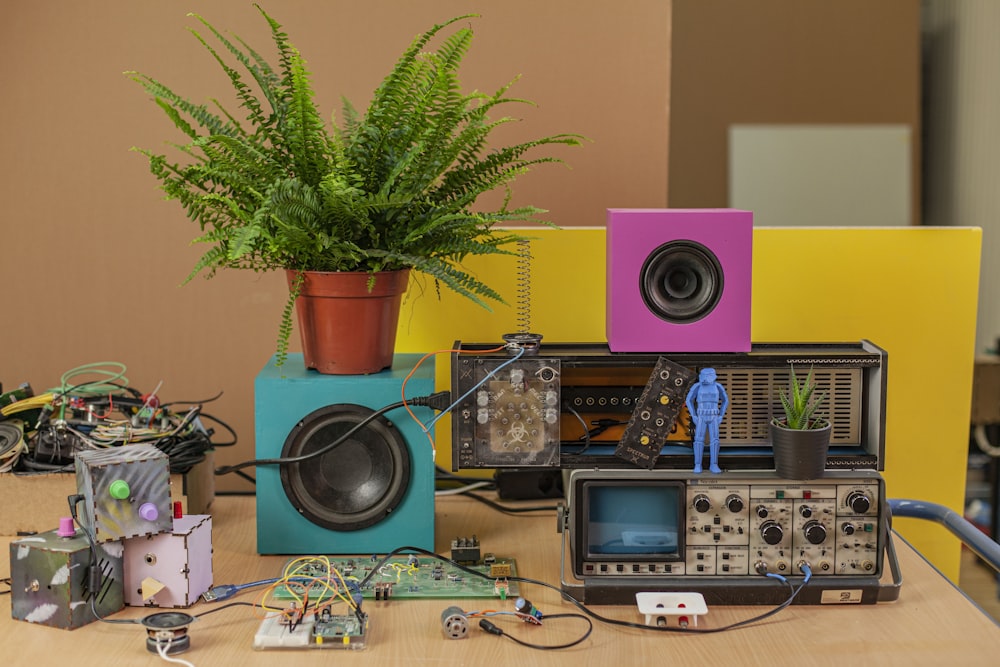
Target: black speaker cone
{"points": [[357, 483], [681, 281]]}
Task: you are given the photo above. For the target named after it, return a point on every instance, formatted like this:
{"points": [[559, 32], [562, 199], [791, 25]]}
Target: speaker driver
{"points": [[358, 482], [681, 281]]}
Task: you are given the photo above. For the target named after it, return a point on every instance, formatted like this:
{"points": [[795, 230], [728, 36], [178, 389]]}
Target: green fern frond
{"points": [[394, 187]]}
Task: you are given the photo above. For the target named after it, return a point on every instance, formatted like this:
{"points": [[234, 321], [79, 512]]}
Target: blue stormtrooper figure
{"points": [[707, 402]]}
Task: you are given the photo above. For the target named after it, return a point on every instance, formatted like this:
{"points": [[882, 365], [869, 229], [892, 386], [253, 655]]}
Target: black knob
{"points": [[848, 528], [805, 511], [772, 532], [734, 503], [815, 532], [859, 502], [702, 503], [761, 512]]}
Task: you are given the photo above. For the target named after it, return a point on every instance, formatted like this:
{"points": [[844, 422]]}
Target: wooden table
{"points": [[932, 623]]}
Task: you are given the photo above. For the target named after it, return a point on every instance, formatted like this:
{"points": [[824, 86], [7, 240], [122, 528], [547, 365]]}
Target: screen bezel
{"points": [[584, 486]]}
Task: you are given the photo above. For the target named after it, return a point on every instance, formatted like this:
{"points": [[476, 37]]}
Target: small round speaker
{"points": [[357, 483], [681, 281]]}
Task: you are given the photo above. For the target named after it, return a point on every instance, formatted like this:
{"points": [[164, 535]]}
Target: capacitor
{"points": [[524, 606]]}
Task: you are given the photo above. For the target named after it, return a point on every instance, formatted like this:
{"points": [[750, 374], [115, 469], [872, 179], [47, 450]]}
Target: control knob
{"points": [[734, 503], [771, 532], [848, 528], [702, 503], [859, 502], [814, 531], [805, 511], [761, 511]]}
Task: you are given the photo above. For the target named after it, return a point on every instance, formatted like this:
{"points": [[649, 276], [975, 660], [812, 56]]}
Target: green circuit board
{"points": [[417, 577]]}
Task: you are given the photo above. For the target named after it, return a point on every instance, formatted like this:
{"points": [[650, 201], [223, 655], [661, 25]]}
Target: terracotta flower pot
{"points": [[800, 454], [347, 329]]}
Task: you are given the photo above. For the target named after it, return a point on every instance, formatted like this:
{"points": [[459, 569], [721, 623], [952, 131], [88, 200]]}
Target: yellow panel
{"points": [[911, 290]]}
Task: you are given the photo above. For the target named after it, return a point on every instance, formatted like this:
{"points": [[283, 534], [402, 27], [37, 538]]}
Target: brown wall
{"points": [[785, 61], [91, 259]]}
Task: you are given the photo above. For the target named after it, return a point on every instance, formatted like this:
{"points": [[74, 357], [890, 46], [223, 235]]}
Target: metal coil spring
{"points": [[524, 286]]}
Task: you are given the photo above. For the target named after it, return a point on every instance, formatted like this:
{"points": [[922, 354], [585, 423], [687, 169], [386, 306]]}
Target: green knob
{"points": [[119, 489]]}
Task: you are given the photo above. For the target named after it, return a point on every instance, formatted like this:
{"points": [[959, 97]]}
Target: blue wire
{"points": [[451, 407]]}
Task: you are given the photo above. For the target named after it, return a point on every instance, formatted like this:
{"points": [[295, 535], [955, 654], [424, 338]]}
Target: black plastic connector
{"points": [[490, 627], [439, 401]]}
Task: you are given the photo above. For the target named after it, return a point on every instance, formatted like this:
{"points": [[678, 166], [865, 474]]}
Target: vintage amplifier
{"points": [[568, 405]]}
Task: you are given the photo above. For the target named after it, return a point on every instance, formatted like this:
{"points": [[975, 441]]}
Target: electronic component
{"points": [[722, 535], [167, 632], [52, 582], [126, 491], [523, 606], [170, 569], [655, 413], [325, 630], [599, 390], [671, 609], [454, 623], [12, 443], [423, 579], [501, 570], [465, 550], [509, 411]]}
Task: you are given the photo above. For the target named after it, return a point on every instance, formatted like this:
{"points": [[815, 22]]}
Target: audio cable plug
{"points": [[490, 627], [438, 401]]}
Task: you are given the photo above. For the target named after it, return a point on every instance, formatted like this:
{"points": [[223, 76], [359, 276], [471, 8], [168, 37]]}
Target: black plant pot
{"points": [[800, 454]]}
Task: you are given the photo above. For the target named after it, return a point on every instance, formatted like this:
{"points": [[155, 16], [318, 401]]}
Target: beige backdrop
{"points": [[91, 258]]}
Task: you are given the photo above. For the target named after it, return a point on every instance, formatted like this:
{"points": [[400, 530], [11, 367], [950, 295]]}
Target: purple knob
{"points": [[66, 527], [148, 511]]}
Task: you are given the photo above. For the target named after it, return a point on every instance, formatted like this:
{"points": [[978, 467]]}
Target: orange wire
{"points": [[111, 405], [414, 370]]}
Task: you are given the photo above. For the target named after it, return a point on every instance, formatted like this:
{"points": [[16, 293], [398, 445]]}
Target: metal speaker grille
{"points": [[356, 484], [755, 397]]}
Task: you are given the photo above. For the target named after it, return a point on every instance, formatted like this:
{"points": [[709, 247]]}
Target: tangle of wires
{"points": [[314, 586], [41, 433]]}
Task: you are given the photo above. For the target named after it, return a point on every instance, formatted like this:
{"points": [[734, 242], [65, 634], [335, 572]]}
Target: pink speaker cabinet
{"points": [[679, 280]]}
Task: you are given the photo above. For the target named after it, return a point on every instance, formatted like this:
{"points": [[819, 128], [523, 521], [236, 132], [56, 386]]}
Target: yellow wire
{"points": [[30, 403]]}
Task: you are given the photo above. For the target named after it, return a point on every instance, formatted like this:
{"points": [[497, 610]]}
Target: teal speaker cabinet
{"points": [[351, 486]]}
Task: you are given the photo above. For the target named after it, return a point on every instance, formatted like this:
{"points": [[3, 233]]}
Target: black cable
{"points": [[442, 475], [94, 575], [507, 509], [225, 470], [433, 401], [794, 591], [586, 432], [227, 606], [224, 425], [207, 400], [493, 629]]}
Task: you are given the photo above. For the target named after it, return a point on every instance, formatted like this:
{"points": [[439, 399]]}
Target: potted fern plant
{"points": [[360, 202], [800, 440]]}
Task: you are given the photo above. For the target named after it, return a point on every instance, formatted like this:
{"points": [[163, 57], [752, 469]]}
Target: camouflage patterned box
{"points": [[50, 582]]}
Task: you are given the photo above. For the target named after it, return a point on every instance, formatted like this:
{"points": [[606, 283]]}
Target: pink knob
{"points": [[66, 527], [148, 511]]}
